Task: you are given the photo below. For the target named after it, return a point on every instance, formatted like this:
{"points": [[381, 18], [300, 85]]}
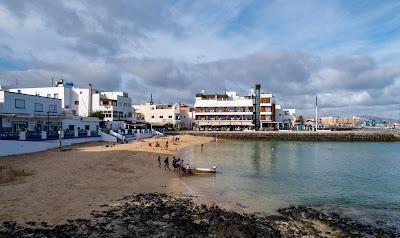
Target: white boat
{"points": [[212, 170]]}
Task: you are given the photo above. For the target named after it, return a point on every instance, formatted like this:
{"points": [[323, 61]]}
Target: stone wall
{"points": [[302, 135]]}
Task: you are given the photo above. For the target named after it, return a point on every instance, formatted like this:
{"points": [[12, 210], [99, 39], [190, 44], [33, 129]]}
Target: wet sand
{"points": [[54, 186]]}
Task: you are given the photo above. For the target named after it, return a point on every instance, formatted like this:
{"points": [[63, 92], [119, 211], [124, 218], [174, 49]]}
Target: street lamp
{"points": [[48, 122]]}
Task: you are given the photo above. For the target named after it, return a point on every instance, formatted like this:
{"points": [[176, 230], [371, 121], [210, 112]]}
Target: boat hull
{"points": [[203, 171]]}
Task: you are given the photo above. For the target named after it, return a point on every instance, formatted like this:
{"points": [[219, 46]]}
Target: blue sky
{"points": [[347, 52]]}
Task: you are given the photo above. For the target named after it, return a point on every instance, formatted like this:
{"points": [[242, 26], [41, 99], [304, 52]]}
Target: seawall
{"points": [[302, 135]]}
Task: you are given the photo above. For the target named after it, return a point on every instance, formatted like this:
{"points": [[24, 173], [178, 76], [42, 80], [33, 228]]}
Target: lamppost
{"points": [[48, 122]]}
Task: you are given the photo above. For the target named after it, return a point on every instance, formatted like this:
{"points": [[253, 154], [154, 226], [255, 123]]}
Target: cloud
{"points": [[174, 49]]}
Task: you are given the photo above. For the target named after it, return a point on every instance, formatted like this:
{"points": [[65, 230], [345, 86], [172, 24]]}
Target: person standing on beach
{"points": [[159, 161], [166, 164], [166, 145]]}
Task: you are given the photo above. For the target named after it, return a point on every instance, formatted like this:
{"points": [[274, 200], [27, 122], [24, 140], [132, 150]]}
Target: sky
{"points": [[346, 52]]}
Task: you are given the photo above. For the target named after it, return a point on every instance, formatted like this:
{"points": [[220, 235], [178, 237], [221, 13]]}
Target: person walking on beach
{"points": [[159, 161], [166, 164], [174, 163], [166, 145]]}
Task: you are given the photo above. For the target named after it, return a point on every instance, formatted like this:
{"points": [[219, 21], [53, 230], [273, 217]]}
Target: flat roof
{"points": [[29, 95]]}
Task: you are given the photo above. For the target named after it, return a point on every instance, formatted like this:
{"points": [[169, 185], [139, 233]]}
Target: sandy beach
{"points": [[54, 186]]}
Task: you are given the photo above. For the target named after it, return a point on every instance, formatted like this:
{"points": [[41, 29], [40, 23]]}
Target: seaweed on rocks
{"points": [[150, 215], [339, 225], [161, 215]]}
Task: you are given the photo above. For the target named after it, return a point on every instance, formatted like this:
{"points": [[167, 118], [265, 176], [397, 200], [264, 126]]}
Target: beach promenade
{"points": [[301, 135]]}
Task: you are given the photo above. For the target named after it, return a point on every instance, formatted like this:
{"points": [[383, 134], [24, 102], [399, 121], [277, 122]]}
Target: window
{"points": [[56, 95], [19, 103], [38, 107], [152, 116], [161, 116], [71, 127], [52, 108], [74, 112], [86, 127], [169, 116], [76, 102]]}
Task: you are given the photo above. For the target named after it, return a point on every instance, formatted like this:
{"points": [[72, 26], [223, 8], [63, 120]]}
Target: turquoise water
{"points": [[262, 176]]}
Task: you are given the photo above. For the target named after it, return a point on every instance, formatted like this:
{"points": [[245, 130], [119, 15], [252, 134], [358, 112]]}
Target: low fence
{"points": [[43, 135], [13, 147]]}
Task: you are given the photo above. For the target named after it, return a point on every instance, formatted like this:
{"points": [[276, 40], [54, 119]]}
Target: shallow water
{"points": [[262, 176]]}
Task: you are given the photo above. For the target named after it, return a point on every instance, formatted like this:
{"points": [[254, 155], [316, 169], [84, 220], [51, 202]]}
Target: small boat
{"points": [[212, 170]]}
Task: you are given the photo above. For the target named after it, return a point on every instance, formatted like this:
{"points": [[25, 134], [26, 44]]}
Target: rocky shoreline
{"points": [[161, 215]]}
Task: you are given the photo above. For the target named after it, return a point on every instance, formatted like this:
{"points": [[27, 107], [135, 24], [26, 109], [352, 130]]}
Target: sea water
{"points": [[359, 179]]}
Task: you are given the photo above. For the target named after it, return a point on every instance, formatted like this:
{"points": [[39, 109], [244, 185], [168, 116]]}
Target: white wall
{"points": [[8, 104], [13, 147], [81, 122], [159, 116], [63, 93]]}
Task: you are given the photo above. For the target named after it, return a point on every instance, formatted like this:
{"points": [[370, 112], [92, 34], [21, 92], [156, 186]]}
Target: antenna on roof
{"points": [[151, 99]]}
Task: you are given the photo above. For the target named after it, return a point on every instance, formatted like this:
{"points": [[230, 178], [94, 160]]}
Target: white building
{"points": [[75, 99], [115, 106], [160, 115], [285, 117], [187, 116], [230, 111], [223, 111], [23, 112]]}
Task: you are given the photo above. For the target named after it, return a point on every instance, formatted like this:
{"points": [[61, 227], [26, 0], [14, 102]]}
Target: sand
{"points": [[54, 186]]}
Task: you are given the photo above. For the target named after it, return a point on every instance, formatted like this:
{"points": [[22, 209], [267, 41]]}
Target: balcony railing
{"points": [[9, 136]]}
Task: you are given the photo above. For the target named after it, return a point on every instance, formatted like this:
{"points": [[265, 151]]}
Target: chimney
{"points": [[90, 106]]}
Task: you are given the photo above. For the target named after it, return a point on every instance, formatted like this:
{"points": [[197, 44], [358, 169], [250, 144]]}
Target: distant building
{"points": [[286, 117], [338, 120]]}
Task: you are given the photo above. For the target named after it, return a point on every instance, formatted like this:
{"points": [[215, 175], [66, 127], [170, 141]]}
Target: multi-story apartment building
{"points": [[160, 115], [230, 111], [73, 99], [23, 112], [115, 106], [187, 116]]}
